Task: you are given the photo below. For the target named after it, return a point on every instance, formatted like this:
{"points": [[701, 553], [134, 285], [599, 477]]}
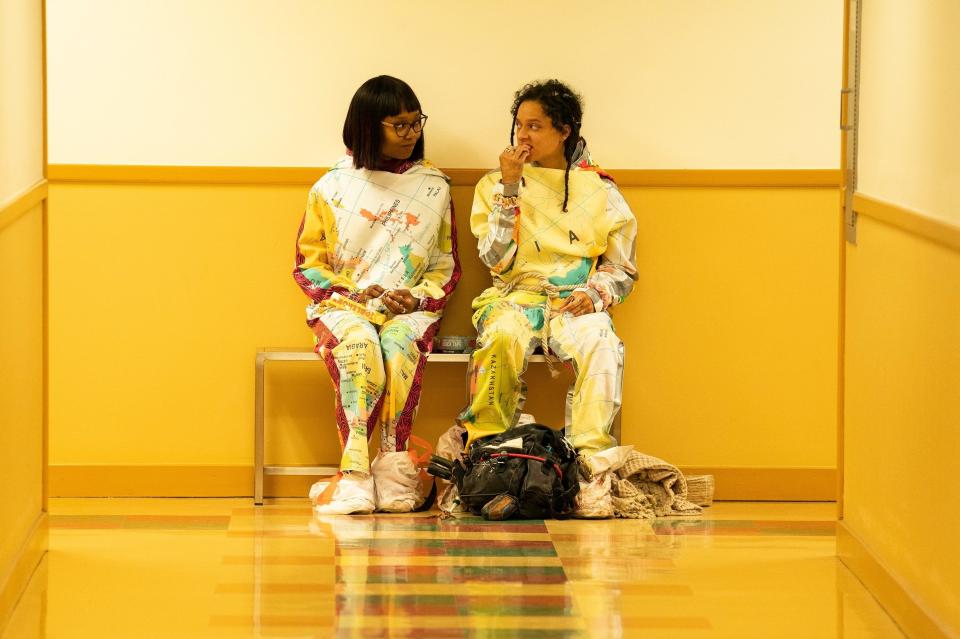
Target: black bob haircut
{"points": [[376, 99]]}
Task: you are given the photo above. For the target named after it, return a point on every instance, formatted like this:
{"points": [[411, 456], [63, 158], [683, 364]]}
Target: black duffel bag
{"points": [[527, 471]]}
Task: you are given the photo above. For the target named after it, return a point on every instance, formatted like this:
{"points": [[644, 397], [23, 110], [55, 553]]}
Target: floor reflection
{"points": [[222, 568]]}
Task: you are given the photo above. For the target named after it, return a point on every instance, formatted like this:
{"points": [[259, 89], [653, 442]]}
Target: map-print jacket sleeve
{"points": [[613, 280], [443, 269], [495, 221], [312, 270]]}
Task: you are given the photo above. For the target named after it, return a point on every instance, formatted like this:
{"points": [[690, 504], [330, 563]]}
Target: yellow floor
{"points": [[222, 568]]}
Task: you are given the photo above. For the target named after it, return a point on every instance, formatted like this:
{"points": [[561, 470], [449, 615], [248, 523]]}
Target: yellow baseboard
{"points": [[732, 483], [737, 483], [896, 600], [16, 575], [169, 481]]}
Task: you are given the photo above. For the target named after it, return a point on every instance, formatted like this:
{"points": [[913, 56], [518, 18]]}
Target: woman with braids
{"points": [[377, 256], [559, 240]]}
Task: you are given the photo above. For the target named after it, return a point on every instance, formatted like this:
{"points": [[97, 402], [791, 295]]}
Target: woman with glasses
{"points": [[377, 256], [559, 240]]}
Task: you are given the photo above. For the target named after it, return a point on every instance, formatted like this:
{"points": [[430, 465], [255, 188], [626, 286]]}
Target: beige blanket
{"points": [[645, 487]]}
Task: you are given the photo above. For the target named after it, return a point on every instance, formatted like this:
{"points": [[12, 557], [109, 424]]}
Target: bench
{"points": [[265, 355]]}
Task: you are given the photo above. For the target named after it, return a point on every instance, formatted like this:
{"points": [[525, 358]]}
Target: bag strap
{"points": [[544, 460]]}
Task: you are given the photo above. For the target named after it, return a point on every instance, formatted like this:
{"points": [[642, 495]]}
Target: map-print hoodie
{"points": [[527, 239], [364, 227]]}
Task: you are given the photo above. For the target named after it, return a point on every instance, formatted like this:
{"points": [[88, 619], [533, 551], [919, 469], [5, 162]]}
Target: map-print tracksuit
{"points": [[538, 255], [395, 229]]}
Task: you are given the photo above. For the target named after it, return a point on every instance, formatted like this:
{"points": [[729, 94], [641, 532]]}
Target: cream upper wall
{"points": [[910, 98], [21, 97], [693, 84]]}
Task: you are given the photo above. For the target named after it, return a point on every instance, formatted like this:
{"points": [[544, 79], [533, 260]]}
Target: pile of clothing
{"points": [[626, 483], [617, 482]]}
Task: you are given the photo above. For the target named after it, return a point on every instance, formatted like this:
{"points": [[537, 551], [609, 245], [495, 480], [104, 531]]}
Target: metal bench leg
{"points": [[258, 435]]}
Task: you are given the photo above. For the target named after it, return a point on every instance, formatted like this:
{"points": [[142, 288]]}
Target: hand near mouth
{"points": [[511, 162]]}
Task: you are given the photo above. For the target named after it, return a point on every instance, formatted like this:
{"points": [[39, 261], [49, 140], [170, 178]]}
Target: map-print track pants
{"points": [[506, 340], [377, 377]]}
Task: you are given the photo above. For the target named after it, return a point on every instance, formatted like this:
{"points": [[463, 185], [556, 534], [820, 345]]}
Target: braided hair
{"points": [[564, 107]]}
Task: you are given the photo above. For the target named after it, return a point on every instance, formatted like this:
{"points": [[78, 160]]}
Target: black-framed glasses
{"points": [[403, 128]]}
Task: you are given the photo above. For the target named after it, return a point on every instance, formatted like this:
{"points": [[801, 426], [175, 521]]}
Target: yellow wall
{"points": [[901, 492], [161, 294], [902, 399], [729, 84], [731, 332], [22, 520], [21, 372]]}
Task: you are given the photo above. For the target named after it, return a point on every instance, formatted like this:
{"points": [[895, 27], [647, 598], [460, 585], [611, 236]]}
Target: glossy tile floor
{"points": [[222, 568]]}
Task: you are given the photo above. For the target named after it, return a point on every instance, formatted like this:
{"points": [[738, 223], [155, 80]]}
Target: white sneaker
{"points": [[353, 495], [397, 480]]}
